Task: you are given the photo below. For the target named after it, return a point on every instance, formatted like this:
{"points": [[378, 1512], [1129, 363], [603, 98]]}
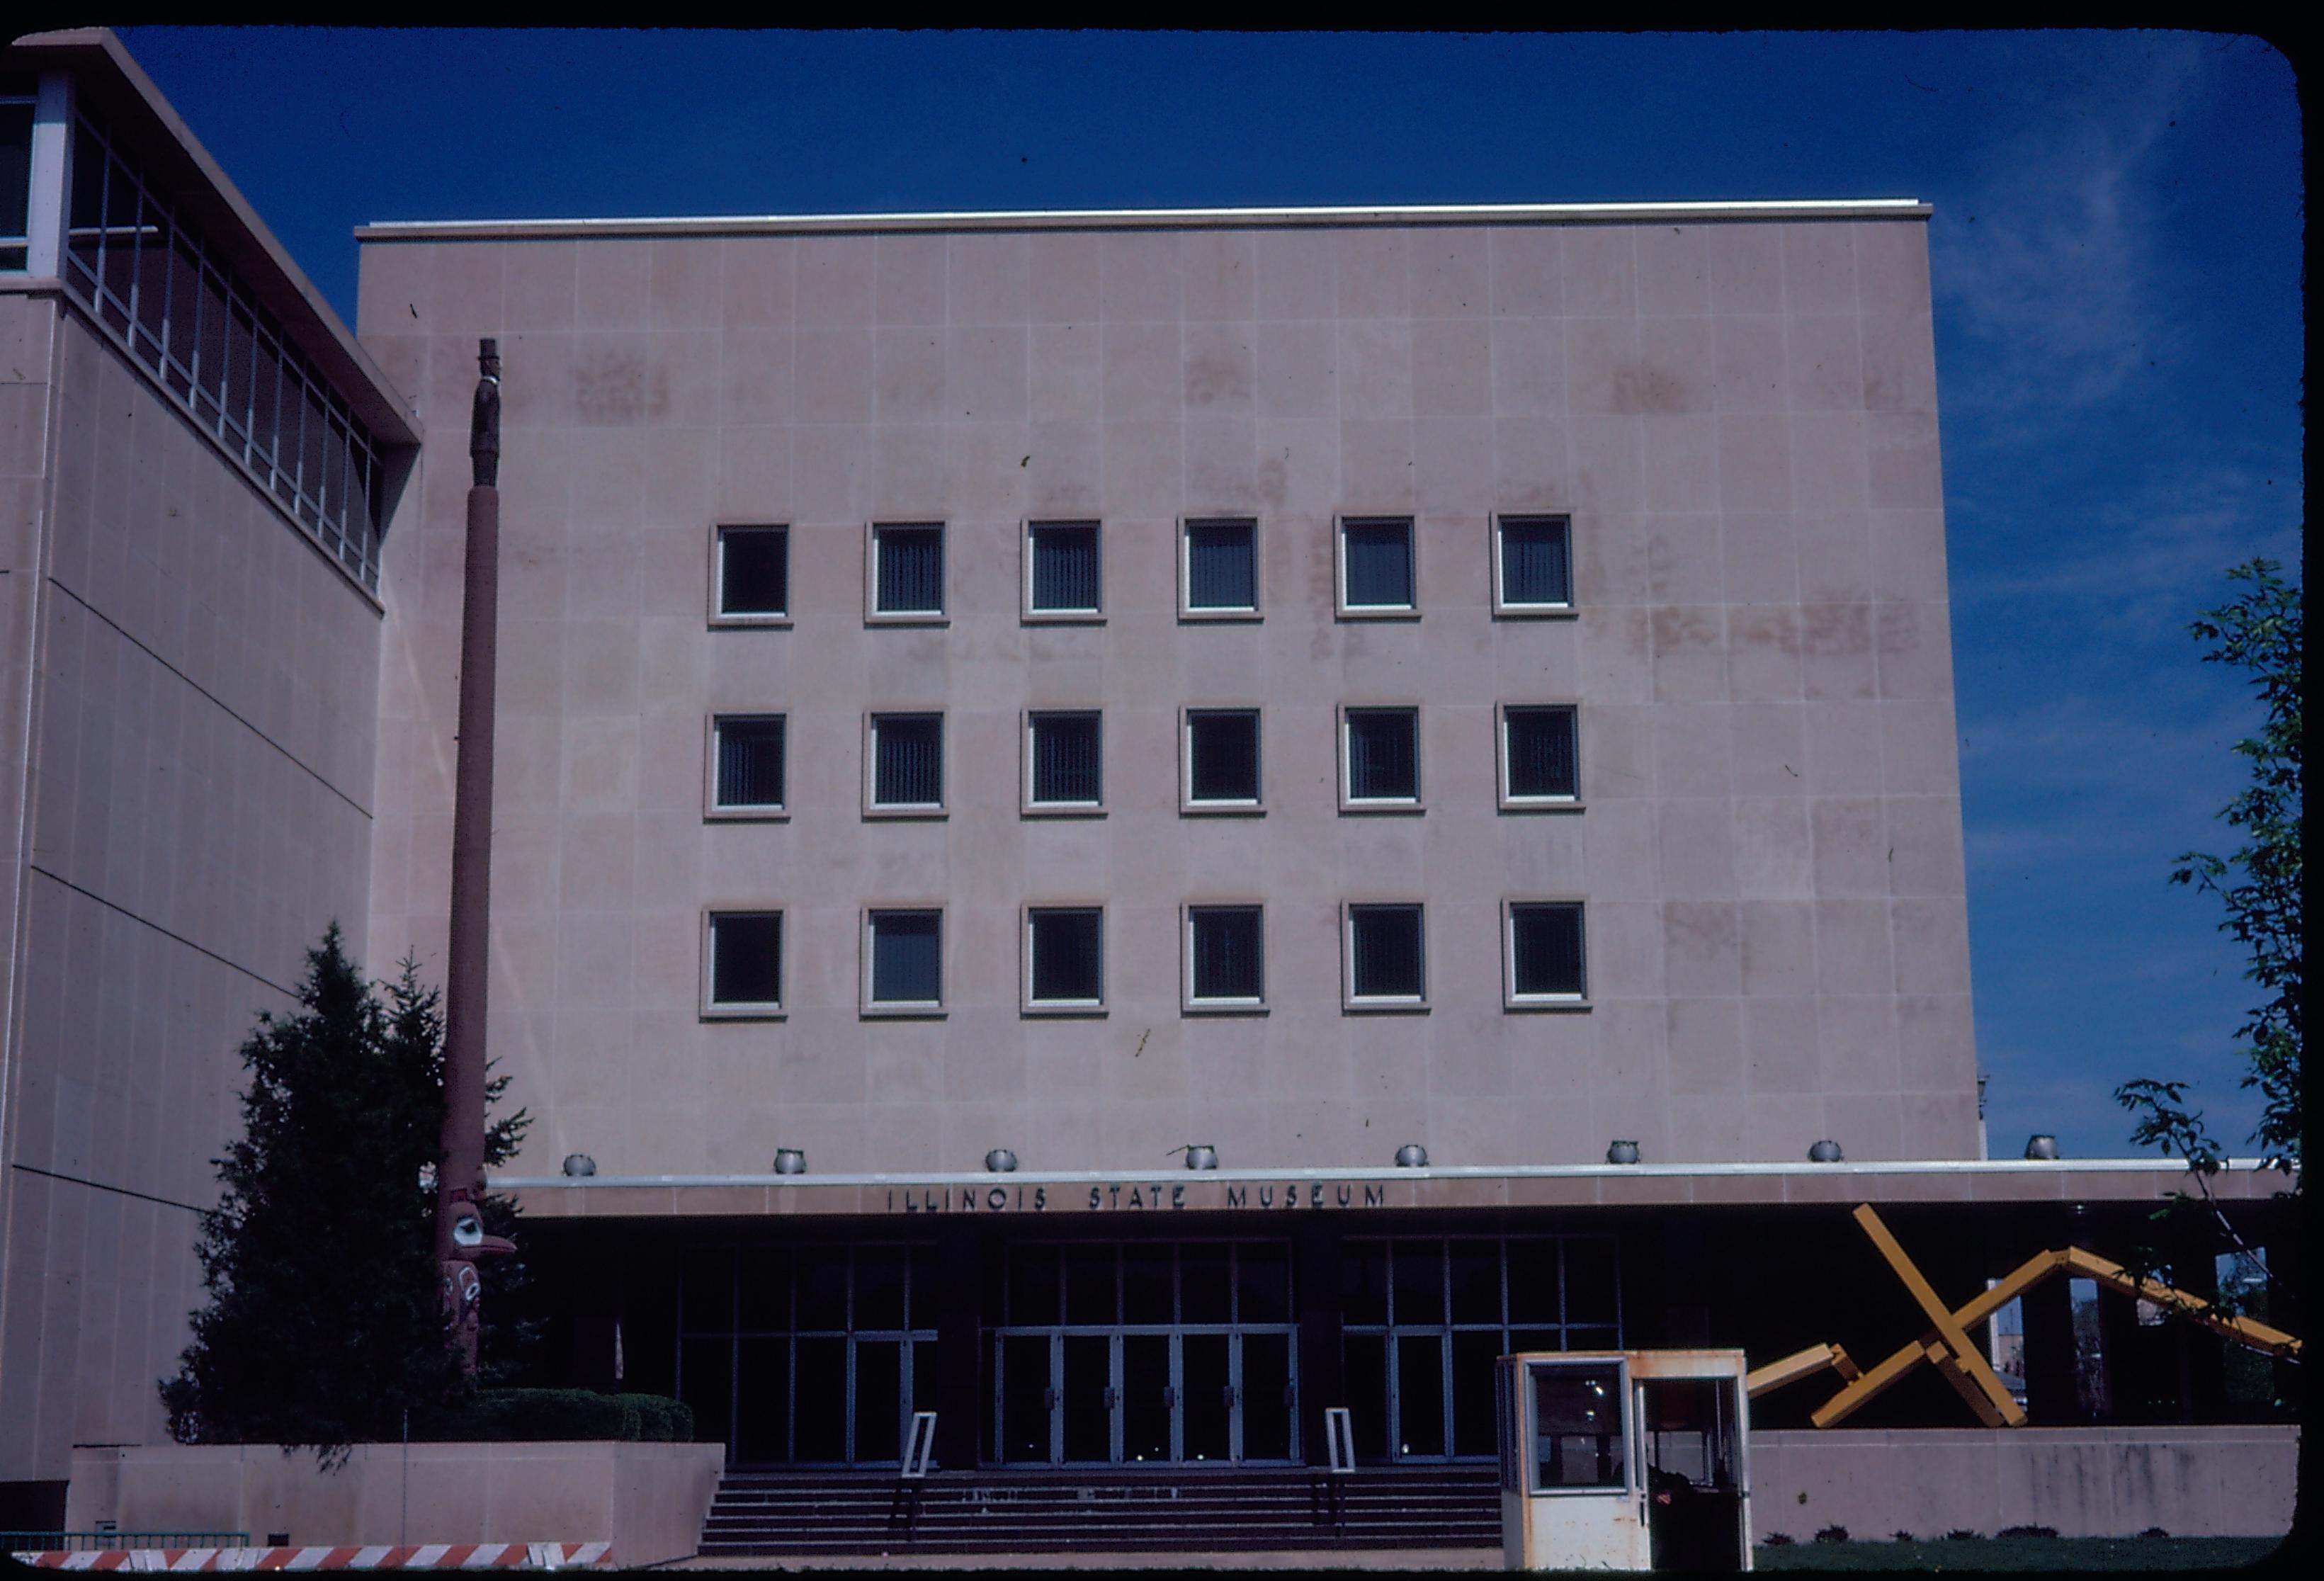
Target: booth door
{"points": [[1694, 1501]]}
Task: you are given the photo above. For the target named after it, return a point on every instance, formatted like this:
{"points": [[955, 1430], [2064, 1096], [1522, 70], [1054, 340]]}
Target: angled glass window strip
{"points": [[907, 760], [1545, 951], [15, 182], [1068, 956], [751, 762], [907, 957], [1536, 562], [1539, 754], [1222, 565], [179, 310], [909, 569], [746, 958], [1068, 762], [1376, 564], [754, 571], [1385, 953], [1222, 755], [1224, 949], [1065, 568], [1383, 754]]}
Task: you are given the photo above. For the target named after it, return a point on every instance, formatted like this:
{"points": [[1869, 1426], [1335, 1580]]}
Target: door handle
{"points": [[1169, 1397], [1109, 1397], [1048, 1399]]}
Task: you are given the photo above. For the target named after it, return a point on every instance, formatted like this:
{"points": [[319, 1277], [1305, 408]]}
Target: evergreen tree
{"points": [[325, 1320]]}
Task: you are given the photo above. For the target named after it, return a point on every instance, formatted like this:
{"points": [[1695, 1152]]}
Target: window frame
{"points": [[715, 811], [1508, 802], [1354, 1004], [875, 809], [1190, 612], [1029, 614], [1188, 806], [1343, 610], [1027, 806], [711, 1009], [1504, 608], [1514, 1003], [1188, 1002], [720, 618], [1056, 1009], [872, 614], [870, 1009], [1352, 805]]}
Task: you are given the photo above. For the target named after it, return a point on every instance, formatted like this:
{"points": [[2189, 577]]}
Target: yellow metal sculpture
{"points": [[1947, 1347]]}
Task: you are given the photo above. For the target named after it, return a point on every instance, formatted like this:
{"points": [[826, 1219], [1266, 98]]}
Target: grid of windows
{"points": [[1226, 965], [908, 569], [1424, 1311], [1387, 961], [1538, 756], [1221, 758], [177, 308], [747, 775], [1376, 570], [754, 580], [904, 954], [1065, 767], [1381, 748], [746, 961], [907, 761], [1064, 957], [1222, 568], [1060, 569], [1533, 564], [808, 1355]]}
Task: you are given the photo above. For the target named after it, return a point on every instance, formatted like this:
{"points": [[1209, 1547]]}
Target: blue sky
{"points": [[2115, 257]]}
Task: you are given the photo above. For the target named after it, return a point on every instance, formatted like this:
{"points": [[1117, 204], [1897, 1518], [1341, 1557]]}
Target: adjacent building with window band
{"points": [[1291, 682]]}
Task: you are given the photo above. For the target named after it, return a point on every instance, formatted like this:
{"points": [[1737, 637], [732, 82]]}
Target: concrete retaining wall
{"points": [[647, 1500], [2085, 1482]]}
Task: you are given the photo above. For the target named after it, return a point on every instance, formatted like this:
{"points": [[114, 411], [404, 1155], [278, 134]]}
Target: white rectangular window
{"points": [[1218, 568], [1533, 565], [1062, 571], [1377, 573], [907, 570], [1386, 963], [1221, 754], [747, 764], [904, 757], [1542, 952], [903, 966], [1379, 759], [1226, 963], [1540, 764], [743, 975], [1064, 762], [1065, 959], [752, 579]]}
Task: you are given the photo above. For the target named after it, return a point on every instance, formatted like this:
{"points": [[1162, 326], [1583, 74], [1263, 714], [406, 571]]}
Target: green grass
{"points": [[2022, 1553]]}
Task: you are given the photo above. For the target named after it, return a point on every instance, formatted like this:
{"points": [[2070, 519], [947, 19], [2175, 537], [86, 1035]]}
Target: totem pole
{"points": [[460, 1237]]}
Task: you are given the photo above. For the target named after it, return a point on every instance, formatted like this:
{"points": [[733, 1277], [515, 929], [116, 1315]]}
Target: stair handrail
{"points": [[919, 1448], [1340, 1440]]}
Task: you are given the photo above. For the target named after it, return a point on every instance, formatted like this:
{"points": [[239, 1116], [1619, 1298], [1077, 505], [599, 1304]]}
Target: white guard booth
{"points": [[1624, 1460]]}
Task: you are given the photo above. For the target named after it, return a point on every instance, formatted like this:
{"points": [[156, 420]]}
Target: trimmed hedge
{"points": [[517, 1416]]}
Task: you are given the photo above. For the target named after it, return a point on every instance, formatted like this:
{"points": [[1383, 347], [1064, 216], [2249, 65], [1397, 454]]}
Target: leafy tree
{"points": [[2259, 632], [325, 1322]]}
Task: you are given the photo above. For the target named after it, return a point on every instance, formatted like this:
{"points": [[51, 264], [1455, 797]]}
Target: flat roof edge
{"points": [[1142, 219]]}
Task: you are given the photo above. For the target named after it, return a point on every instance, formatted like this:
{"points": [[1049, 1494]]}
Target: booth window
{"points": [[1577, 1427]]}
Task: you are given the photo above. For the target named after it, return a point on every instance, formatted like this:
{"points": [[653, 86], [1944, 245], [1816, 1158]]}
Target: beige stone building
{"points": [[1252, 761]]}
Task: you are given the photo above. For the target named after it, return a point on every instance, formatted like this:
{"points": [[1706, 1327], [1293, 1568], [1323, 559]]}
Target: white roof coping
{"points": [[1423, 214]]}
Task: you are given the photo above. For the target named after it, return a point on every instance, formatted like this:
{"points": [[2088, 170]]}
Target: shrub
{"points": [[2029, 1532], [2154, 1532], [1832, 1534], [506, 1416], [1901, 1537], [1962, 1534], [1779, 1539]]}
